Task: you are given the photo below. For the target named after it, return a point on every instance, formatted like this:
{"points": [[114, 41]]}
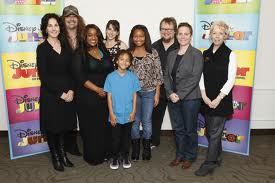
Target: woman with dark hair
{"points": [[91, 66], [181, 81], [146, 65], [112, 42], [57, 115]]}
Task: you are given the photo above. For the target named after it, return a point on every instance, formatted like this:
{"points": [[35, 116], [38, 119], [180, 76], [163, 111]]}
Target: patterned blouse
{"points": [[148, 70]]}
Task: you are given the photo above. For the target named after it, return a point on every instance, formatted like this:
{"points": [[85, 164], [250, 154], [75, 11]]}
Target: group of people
{"points": [[112, 89]]}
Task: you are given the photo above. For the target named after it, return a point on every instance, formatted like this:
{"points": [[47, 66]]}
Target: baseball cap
{"points": [[70, 10]]}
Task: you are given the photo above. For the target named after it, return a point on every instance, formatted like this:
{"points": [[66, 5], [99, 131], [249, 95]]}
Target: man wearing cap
{"points": [[74, 27]]}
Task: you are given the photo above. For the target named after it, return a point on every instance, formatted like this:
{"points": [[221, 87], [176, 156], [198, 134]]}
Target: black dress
{"points": [[56, 115], [91, 108]]}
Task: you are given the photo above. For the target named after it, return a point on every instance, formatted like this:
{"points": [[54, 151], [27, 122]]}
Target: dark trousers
{"points": [[157, 119], [70, 141], [214, 127], [184, 117], [121, 137]]}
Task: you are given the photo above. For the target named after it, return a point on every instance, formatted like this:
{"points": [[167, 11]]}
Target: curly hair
{"points": [[80, 29], [148, 43], [44, 23]]}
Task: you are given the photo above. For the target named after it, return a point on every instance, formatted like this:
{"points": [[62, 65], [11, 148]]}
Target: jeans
{"points": [[145, 105], [184, 117]]}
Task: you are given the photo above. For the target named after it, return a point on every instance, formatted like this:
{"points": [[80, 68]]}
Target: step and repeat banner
{"points": [[19, 36], [242, 16]]}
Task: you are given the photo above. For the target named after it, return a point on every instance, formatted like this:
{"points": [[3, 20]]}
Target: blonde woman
{"points": [[216, 85]]}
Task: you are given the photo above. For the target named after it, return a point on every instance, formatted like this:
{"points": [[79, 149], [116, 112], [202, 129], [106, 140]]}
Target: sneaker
{"points": [[126, 163], [114, 165]]}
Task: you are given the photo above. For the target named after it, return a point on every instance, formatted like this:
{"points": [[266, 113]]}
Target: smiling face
{"points": [[139, 37], [167, 31], [53, 28], [123, 62], [71, 22], [92, 38], [111, 33], [218, 36], [184, 36]]}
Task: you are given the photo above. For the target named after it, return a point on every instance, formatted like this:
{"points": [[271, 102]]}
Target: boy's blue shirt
{"points": [[122, 89]]}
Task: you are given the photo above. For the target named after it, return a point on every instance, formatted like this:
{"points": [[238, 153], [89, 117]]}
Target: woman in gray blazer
{"points": [[181, 80]]}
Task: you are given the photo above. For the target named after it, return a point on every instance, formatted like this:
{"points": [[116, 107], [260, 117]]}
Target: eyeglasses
{"points": [[168, 30]]}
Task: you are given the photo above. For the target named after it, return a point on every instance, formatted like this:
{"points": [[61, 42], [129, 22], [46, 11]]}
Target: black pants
{"points": [[214, 126], [70, 140], [121, 136], [157, 119]]}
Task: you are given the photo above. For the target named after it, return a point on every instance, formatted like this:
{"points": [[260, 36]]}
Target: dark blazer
{"points": [[188, 74]]}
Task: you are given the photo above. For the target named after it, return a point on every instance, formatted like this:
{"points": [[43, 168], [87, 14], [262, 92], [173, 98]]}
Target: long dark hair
{"points": [[79, 32], [148, 43]]}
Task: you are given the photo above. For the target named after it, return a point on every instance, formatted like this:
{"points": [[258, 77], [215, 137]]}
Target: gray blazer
{"points": [[188, 74]]}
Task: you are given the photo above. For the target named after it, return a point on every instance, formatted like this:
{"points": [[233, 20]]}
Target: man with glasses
{"points": [[164, 45]]}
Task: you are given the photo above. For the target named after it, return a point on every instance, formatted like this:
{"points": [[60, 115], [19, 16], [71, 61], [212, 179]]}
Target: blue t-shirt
{"points": [[122, 89]]}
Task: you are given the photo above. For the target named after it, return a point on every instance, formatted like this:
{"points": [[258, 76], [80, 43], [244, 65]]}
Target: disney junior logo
{"points": [[25, 2], [26, 103], [29, 137], [23, 69], [209, 2], [22, 33], [233, 34]]}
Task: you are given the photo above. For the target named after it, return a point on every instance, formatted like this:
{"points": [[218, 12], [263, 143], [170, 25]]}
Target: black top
{"points": [[174, 71], [87, 67], [158, 45], [215, 76], [54, 71]]}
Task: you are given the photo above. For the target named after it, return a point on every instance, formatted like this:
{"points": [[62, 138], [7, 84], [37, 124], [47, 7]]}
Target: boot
{"points": [[146, 154], [52, 143], [63, 156], [135, 149]]}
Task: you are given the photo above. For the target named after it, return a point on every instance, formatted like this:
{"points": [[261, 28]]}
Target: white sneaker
{"points": [[126, 163], [114, 165]]}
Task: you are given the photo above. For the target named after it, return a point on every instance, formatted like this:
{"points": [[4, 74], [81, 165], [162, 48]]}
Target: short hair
{"points": [[186, 24], [98, 34], [169, 20], [148, 43], [44, 23], [123, 52], [220, 24], [116, 27]]}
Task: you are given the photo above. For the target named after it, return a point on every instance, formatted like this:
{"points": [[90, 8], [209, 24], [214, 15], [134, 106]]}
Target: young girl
{"points": [[121, 86], [217, 81], [112, 42], [147, 66]]}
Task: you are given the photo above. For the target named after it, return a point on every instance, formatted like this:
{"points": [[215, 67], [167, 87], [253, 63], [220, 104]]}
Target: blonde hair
{"points": [[220, 24]]}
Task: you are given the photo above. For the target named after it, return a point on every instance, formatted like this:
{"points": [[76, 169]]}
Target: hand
{"points": [[101, 92], [156, 100], [70, 96], [113, 119], [132, 116], [174, 97], [206, 100], [215, 103]]}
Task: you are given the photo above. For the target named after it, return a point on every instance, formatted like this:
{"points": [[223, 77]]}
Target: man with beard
{"points": [[74, 27], [164, 45]]}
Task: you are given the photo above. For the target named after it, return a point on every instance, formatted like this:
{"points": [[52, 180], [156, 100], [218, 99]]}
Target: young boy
{"points": [[121, 86]]}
